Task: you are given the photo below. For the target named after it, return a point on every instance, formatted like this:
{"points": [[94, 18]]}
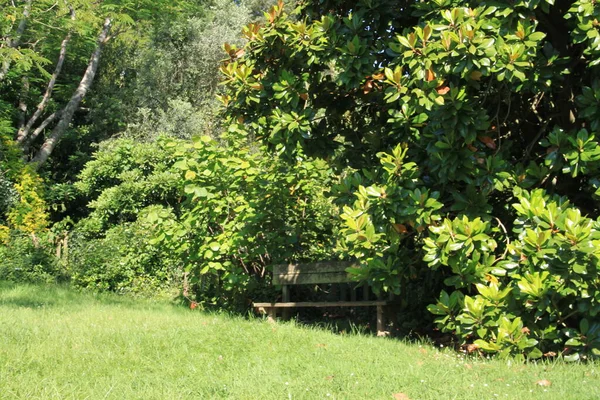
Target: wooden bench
{"points": [[319, 273]]}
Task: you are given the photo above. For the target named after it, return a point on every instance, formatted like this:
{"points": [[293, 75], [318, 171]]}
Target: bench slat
{"points": [[307, 279], [323, 304], [314, 268]]}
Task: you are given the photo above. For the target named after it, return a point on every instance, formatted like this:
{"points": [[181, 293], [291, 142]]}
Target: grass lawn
{"points": [[59, 344]]}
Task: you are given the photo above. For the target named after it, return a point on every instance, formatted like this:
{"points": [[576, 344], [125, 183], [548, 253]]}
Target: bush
{"points": [[244, 212], [122, 261], [110, 248], [29, 258], [123, 178], [541, 295]]}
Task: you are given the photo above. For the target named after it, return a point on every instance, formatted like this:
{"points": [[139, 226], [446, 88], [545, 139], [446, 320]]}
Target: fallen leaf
{"points": [[550, 354], [400, 396], [525, 330], [468, 366], [303, 96], [472, 148], [378, 77], [543, 382], [322, 345], [193, 305], [422, 351], [330, 377]]}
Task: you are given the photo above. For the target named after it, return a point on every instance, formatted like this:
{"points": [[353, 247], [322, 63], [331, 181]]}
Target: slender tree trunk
{"points": [[14, 43], [26, 129], [67, 113], [23, 101], [36, 132]]}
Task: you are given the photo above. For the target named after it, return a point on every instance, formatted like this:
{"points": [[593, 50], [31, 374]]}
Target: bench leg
{"points": [[285, 294], [392, 316], [271, 314], [381, 322], [269, 311]]}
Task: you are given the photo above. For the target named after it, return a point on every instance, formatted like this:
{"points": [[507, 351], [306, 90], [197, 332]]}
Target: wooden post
{"points": [[343, 292], [365, 292], [285, 297], [381, 322], [271, 314]]}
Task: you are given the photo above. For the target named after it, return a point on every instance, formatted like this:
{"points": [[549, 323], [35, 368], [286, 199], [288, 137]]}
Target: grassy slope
{"points": [[55, 343]]}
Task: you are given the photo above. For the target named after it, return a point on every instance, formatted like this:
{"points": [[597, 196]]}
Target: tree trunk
{"points": [[67, 113], [14, 43], [36, 132], [23, 101], [24, 130]]}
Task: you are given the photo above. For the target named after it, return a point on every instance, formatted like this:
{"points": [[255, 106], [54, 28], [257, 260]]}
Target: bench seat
{"points": [[367, 303]]}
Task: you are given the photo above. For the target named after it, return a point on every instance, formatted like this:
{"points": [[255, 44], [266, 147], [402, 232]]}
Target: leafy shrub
{"points": [[243, 212], [122, 261], [541, 295], [28, 258], [109, 249], [123, 178], [8, 194]]}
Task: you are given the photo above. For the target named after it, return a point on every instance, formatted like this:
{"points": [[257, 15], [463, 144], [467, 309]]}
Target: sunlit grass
{"points": [[59, 344]]}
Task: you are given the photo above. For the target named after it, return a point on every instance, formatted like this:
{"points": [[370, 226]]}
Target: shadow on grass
{"points": [[24, 302], [40, 296]]}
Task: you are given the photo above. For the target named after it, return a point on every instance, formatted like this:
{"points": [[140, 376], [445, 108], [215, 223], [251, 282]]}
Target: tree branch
{"points": [[34, 135], [67, 113], [24, 131]]}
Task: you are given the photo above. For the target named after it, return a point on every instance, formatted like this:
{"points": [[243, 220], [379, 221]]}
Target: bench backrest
{"points": [[319, 272]]}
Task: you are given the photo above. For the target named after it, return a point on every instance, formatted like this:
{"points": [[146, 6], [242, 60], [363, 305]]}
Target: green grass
{"points": [[59, 344]]}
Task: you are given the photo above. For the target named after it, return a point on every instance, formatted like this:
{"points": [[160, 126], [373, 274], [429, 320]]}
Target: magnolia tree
{"points": [[464, 135]]}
